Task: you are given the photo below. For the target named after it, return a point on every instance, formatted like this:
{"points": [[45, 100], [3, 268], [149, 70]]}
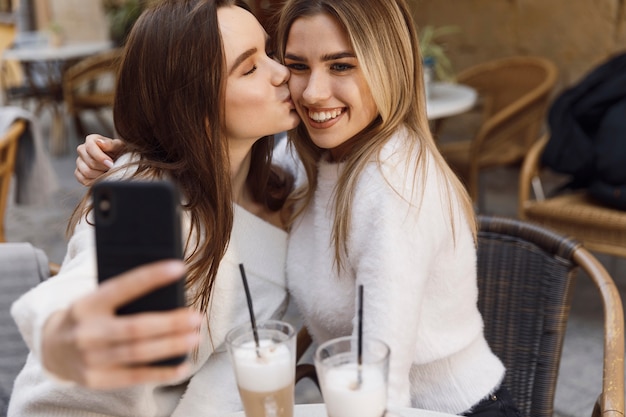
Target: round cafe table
{"points": [[318, 410], [447, 99], [43, 66]]}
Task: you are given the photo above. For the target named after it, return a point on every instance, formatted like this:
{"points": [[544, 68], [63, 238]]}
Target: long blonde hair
{"points": [[384, 38]]}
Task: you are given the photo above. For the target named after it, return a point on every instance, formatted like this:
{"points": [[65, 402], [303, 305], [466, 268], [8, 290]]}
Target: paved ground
{"points": [[581, 366]]}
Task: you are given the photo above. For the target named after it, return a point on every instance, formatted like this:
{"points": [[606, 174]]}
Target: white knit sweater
{"points": [[211, 388], [419, 281]]}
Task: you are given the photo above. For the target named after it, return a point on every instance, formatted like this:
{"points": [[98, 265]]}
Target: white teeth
{"points": [[324, 116]]}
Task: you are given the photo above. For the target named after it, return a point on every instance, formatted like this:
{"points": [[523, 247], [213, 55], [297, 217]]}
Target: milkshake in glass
{"points": [[350, 389], [265, 374]]}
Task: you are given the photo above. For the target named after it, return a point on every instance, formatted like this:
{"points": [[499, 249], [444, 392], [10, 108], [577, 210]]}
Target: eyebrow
{"points": [[327, 57], [241, 58]]}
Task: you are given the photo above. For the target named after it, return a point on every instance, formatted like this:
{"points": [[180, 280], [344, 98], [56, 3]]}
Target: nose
{"points": [[280, 73], [317, 88]]}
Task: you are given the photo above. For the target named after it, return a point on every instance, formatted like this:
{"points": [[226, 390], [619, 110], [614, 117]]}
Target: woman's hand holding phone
{"points": [[88, 343]]}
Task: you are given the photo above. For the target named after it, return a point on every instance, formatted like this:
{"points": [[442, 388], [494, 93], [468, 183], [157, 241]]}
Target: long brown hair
{"points": [[169, 109], [384, 38]]}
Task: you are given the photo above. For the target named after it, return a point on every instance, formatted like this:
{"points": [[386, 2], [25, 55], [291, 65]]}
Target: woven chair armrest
{"points": [[610, 402]]}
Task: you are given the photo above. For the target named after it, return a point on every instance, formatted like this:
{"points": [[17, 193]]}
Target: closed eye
{"points": [[251, 70]]}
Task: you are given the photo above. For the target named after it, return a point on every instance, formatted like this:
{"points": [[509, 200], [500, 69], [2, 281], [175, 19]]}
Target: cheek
{"points": [[239, 116], [253, 112], [296, 84], [241, 99], [243, 103], [370, 110]]}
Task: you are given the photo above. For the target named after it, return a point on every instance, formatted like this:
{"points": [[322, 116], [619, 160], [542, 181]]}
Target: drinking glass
{"points": [[350, 389], [265, 374]]}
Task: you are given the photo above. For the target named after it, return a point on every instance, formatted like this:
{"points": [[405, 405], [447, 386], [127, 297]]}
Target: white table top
{"points": [[45, 52], [318, 410], [448, 99]]}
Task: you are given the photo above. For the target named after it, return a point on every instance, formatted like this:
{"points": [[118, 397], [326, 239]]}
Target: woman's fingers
{"points": [[102, 149], [89, 344], [144, 351], [91, 161], [116, 292], [114, 148], [115, 378], [136, 327], [95, 157], [95, 152], [96, 322], [85, 175]]}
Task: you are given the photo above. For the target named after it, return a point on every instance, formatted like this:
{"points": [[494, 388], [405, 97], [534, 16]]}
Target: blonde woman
{"points": [[380, 208]]}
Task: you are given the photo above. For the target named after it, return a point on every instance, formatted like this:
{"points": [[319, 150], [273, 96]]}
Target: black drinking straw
{"points": [[250, 309], [359, 357]]}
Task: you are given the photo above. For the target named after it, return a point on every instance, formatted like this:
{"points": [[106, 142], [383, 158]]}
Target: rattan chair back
{"points": [[598, 227], [90, 85], [526, 276], [514, 94], [11, 76], [8, 153]]}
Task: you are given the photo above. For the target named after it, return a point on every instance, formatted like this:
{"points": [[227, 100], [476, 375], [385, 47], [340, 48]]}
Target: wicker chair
{"points": [[526, 275], [513, 97], [8, 152], [11, 75], [598, 227], [89, 85]]}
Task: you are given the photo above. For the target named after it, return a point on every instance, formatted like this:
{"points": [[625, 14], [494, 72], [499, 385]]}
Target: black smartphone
{"points": [[138, 222]]}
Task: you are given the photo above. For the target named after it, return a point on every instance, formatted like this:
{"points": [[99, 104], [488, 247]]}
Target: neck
{"points": [[239, 168]]}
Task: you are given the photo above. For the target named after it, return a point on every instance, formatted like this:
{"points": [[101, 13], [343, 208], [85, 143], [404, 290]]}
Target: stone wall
{"points": [[576, 34]]}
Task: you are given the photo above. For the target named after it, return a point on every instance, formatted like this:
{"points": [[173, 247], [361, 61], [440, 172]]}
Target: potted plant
{"points": [[122, 15], [55, 32], [434, 53]]}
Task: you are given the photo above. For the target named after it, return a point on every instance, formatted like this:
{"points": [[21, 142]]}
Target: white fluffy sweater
{"points": [[210, 390], [419, 281]]}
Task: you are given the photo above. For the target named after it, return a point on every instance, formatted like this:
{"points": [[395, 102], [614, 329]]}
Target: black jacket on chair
{"points": [[588, 133]]}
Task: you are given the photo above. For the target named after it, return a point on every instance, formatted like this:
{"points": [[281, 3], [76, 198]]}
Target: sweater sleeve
{"points": [[396, 238], [76, 278]]}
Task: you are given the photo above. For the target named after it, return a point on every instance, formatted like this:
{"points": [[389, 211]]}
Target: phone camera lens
{"points": [[105, 207]]}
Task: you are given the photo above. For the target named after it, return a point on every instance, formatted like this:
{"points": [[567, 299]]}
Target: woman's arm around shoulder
{"points": [[95, 157]]}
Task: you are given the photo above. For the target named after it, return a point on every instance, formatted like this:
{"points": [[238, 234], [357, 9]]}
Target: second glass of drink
{"points": [[353, 387]]}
